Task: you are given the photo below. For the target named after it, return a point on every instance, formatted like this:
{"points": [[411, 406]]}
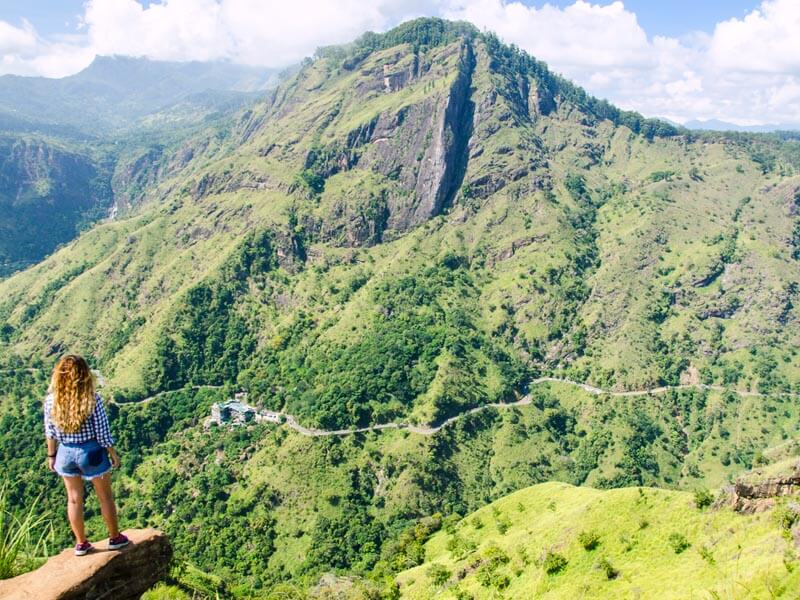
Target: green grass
{"points": [[721, 554], [24, 535]]}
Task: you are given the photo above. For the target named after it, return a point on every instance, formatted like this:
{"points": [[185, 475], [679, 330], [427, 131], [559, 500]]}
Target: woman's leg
{"points": [[102, 487], [74, 487]]}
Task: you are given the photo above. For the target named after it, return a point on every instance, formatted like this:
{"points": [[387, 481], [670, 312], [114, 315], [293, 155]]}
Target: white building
{"points": [[232, 411]]}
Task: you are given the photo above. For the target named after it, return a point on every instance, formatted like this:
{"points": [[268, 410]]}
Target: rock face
{"points": [[759, 495], [120, 574], [46, 194]]}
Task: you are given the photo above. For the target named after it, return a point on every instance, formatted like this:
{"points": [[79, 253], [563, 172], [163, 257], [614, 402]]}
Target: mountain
{"points": [[415, 225], [48, 192], [113, 92], [717, 125], [541, 230], [68, 142]]}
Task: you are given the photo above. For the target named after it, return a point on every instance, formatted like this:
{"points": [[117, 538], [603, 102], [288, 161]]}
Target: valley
{"points": [[465, 284]]}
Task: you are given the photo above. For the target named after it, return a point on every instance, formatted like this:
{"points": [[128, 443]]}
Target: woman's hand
{"points": [[51, 463], [112, 454]]}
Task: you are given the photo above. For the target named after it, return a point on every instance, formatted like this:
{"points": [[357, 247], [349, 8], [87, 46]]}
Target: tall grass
{"points": [[24, 535]]}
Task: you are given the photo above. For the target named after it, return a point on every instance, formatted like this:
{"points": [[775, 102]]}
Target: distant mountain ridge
{"points": [[65, 139], [114, 91], [718, 125]]}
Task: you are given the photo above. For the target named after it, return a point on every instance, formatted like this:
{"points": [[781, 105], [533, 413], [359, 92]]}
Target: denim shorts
{"points": [[87, 460]]}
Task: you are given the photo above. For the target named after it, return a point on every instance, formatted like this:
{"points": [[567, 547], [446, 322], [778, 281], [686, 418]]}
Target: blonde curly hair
{"points": [[72, 387]]}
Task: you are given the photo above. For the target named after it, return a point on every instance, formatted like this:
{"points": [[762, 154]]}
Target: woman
{"points": [[76, 423]]}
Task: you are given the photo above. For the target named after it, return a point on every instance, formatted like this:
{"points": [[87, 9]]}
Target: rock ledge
{"points": [[119, 574], [759, 491]]}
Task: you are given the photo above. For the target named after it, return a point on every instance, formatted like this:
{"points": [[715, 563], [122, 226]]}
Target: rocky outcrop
{"points": [[120, 574], [420, 148], [757, 494], [424, 147]]}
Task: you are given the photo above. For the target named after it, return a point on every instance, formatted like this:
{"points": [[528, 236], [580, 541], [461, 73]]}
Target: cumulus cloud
{"points": [[765, 41], [747, 70], [247, 31], [611, 32], [23, 52], [15, 40]]}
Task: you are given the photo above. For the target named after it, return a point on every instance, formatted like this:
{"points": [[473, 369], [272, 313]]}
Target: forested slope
{"points": [[416, 224]]}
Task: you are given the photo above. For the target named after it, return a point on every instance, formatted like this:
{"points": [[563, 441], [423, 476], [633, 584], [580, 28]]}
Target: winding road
{"points": [[291, 422], [164, 393]]}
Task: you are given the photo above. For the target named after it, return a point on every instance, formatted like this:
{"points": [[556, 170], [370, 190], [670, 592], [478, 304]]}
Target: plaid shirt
{"points": [[96, 427]]}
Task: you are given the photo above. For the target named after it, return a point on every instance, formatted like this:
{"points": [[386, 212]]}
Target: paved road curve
{"points": [[291, 422]]}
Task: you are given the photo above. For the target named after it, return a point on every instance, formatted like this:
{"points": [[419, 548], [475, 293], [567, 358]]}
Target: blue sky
{"points": [[733, 60], [677, 17], [666, 17]]}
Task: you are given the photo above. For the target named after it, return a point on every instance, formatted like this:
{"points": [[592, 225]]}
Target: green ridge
{"points": [[619, 543]]}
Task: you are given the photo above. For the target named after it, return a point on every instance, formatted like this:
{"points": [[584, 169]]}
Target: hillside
{"points": [[298, 497], [412, 226], [558, 541], [48, 192], [84, 147], [448, 187]]}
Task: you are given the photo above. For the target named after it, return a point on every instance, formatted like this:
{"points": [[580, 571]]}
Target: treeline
{"points": [[514, 62]]}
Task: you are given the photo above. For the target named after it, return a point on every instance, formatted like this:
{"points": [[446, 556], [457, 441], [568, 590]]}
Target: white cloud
{"points": [[765, 41], [249, 31], [580, 36], [15, 40], [23, 52], [747, 70]]}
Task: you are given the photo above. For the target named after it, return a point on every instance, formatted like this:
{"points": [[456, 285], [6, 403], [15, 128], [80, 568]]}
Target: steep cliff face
{"points": [[411, 155], [424, 145], [46, 194]]}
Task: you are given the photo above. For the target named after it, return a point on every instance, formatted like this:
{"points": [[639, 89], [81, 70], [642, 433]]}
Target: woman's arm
{"points": [[102, 429], [50, 435], [52, 447], [112, 454]]}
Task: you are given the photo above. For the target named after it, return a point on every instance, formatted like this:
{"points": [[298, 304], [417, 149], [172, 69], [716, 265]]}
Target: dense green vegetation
{"points": [[298, 498], [532, 544], [42, 182], [208, 341], [345, 252]]}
